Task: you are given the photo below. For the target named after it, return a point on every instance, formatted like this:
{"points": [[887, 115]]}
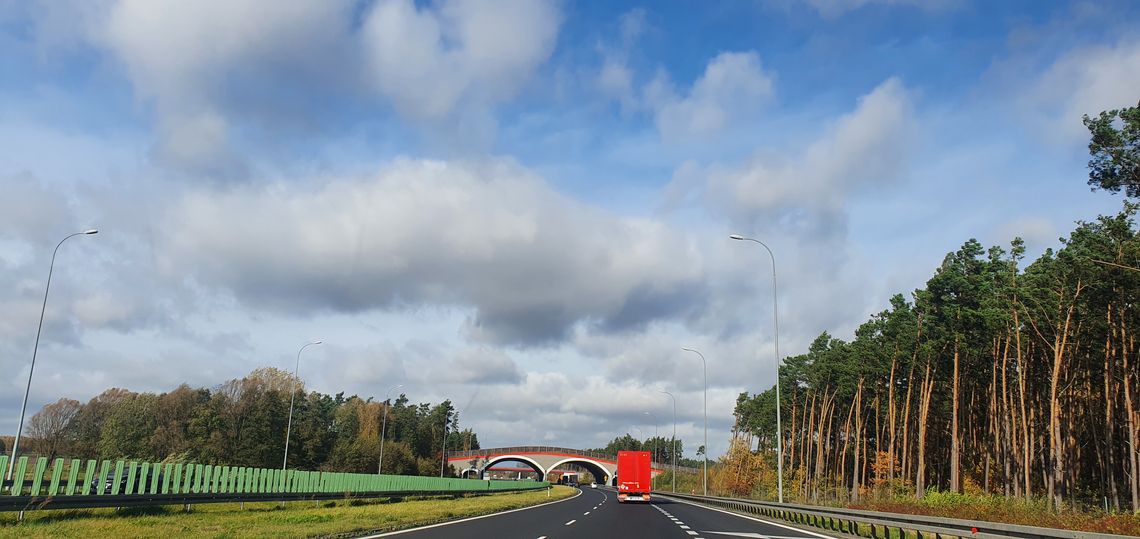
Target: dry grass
{"points": [[1010, 511], [297, 519]]}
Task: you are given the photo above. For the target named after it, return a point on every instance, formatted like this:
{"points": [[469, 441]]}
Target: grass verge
{"points": [[297, 519]]}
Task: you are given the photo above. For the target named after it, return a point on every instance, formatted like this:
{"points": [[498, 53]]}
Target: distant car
{"points": [[142, 483], [593, 485]]}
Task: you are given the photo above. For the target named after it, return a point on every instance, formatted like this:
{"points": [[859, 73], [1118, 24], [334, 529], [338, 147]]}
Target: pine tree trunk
{"points": [[1027, 440], [790, 450], [906, 407], [1133, 427], [1109, 406], [820, 461], [1056, 451], [954, 441], [858, 415], [891, 415], [1008, 420], [807, 448], [841, 457], [924, 412]]}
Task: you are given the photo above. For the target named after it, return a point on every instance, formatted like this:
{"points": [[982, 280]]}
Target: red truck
{"points": [[634, 476]]}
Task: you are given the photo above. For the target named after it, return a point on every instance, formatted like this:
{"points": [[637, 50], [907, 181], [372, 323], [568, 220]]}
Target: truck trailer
{"points": [[634, 476]]}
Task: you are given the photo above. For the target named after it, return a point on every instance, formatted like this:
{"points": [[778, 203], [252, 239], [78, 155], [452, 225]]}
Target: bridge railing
{"points": [[529, 449], [480, 453]]}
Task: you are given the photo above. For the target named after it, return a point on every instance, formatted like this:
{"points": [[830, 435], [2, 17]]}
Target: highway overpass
{"points": [[543, 460]]}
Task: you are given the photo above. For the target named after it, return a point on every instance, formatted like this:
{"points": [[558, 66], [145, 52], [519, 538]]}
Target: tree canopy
{"points": [[243, 423], [1115, 150]]}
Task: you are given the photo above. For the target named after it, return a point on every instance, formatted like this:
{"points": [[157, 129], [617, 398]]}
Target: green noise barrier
{"points": [[72, 477]]}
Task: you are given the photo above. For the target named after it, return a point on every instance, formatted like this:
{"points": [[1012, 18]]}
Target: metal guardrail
{"points": [[876, 525], [458, 455]]}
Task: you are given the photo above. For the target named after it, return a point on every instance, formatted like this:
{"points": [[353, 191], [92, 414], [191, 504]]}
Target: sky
{"points": [[519, 205]]}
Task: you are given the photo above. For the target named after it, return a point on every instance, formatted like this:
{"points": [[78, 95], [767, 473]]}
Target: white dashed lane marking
{"points": [[586, 513], [678, 522], [569, 523]]}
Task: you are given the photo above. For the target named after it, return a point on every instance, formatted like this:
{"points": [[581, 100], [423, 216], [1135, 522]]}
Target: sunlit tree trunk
{"points": [[858, 422], [923, 414], [891, 415], [954, 441]]}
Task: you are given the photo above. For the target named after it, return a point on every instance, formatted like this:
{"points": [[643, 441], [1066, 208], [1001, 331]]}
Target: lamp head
{"points": [[317, 342], [736, 236], [91, 231]]}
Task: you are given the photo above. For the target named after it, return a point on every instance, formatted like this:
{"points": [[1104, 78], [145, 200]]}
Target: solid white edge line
{"points": [[448, 523], [793, 528]]}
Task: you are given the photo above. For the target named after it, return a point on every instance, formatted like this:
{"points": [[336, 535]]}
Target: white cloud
{"points": [[212, 69], [615, 79], [1085, 81], [798, 202], [835, 8], [532, 262], [430, 61], [731, 91], [862, 150], [193, 59], [31, 210], [1038, 232]]}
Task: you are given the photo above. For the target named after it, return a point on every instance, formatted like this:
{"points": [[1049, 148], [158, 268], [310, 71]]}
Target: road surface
{"points": [[596, 514]]}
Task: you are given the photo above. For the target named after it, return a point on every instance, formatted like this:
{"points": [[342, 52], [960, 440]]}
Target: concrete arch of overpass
{"points": [[601, 474], [516, 458], [599, 470]]}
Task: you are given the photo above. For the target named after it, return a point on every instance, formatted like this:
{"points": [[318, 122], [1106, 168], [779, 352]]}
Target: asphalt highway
{"points": [[596, 514]]}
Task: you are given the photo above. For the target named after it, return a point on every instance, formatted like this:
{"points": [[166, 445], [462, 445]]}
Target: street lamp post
{"points": [[653, 478], [293, 395], [384, 427], [36, 347], [776, 329], [674, 449], [705, 456]]}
